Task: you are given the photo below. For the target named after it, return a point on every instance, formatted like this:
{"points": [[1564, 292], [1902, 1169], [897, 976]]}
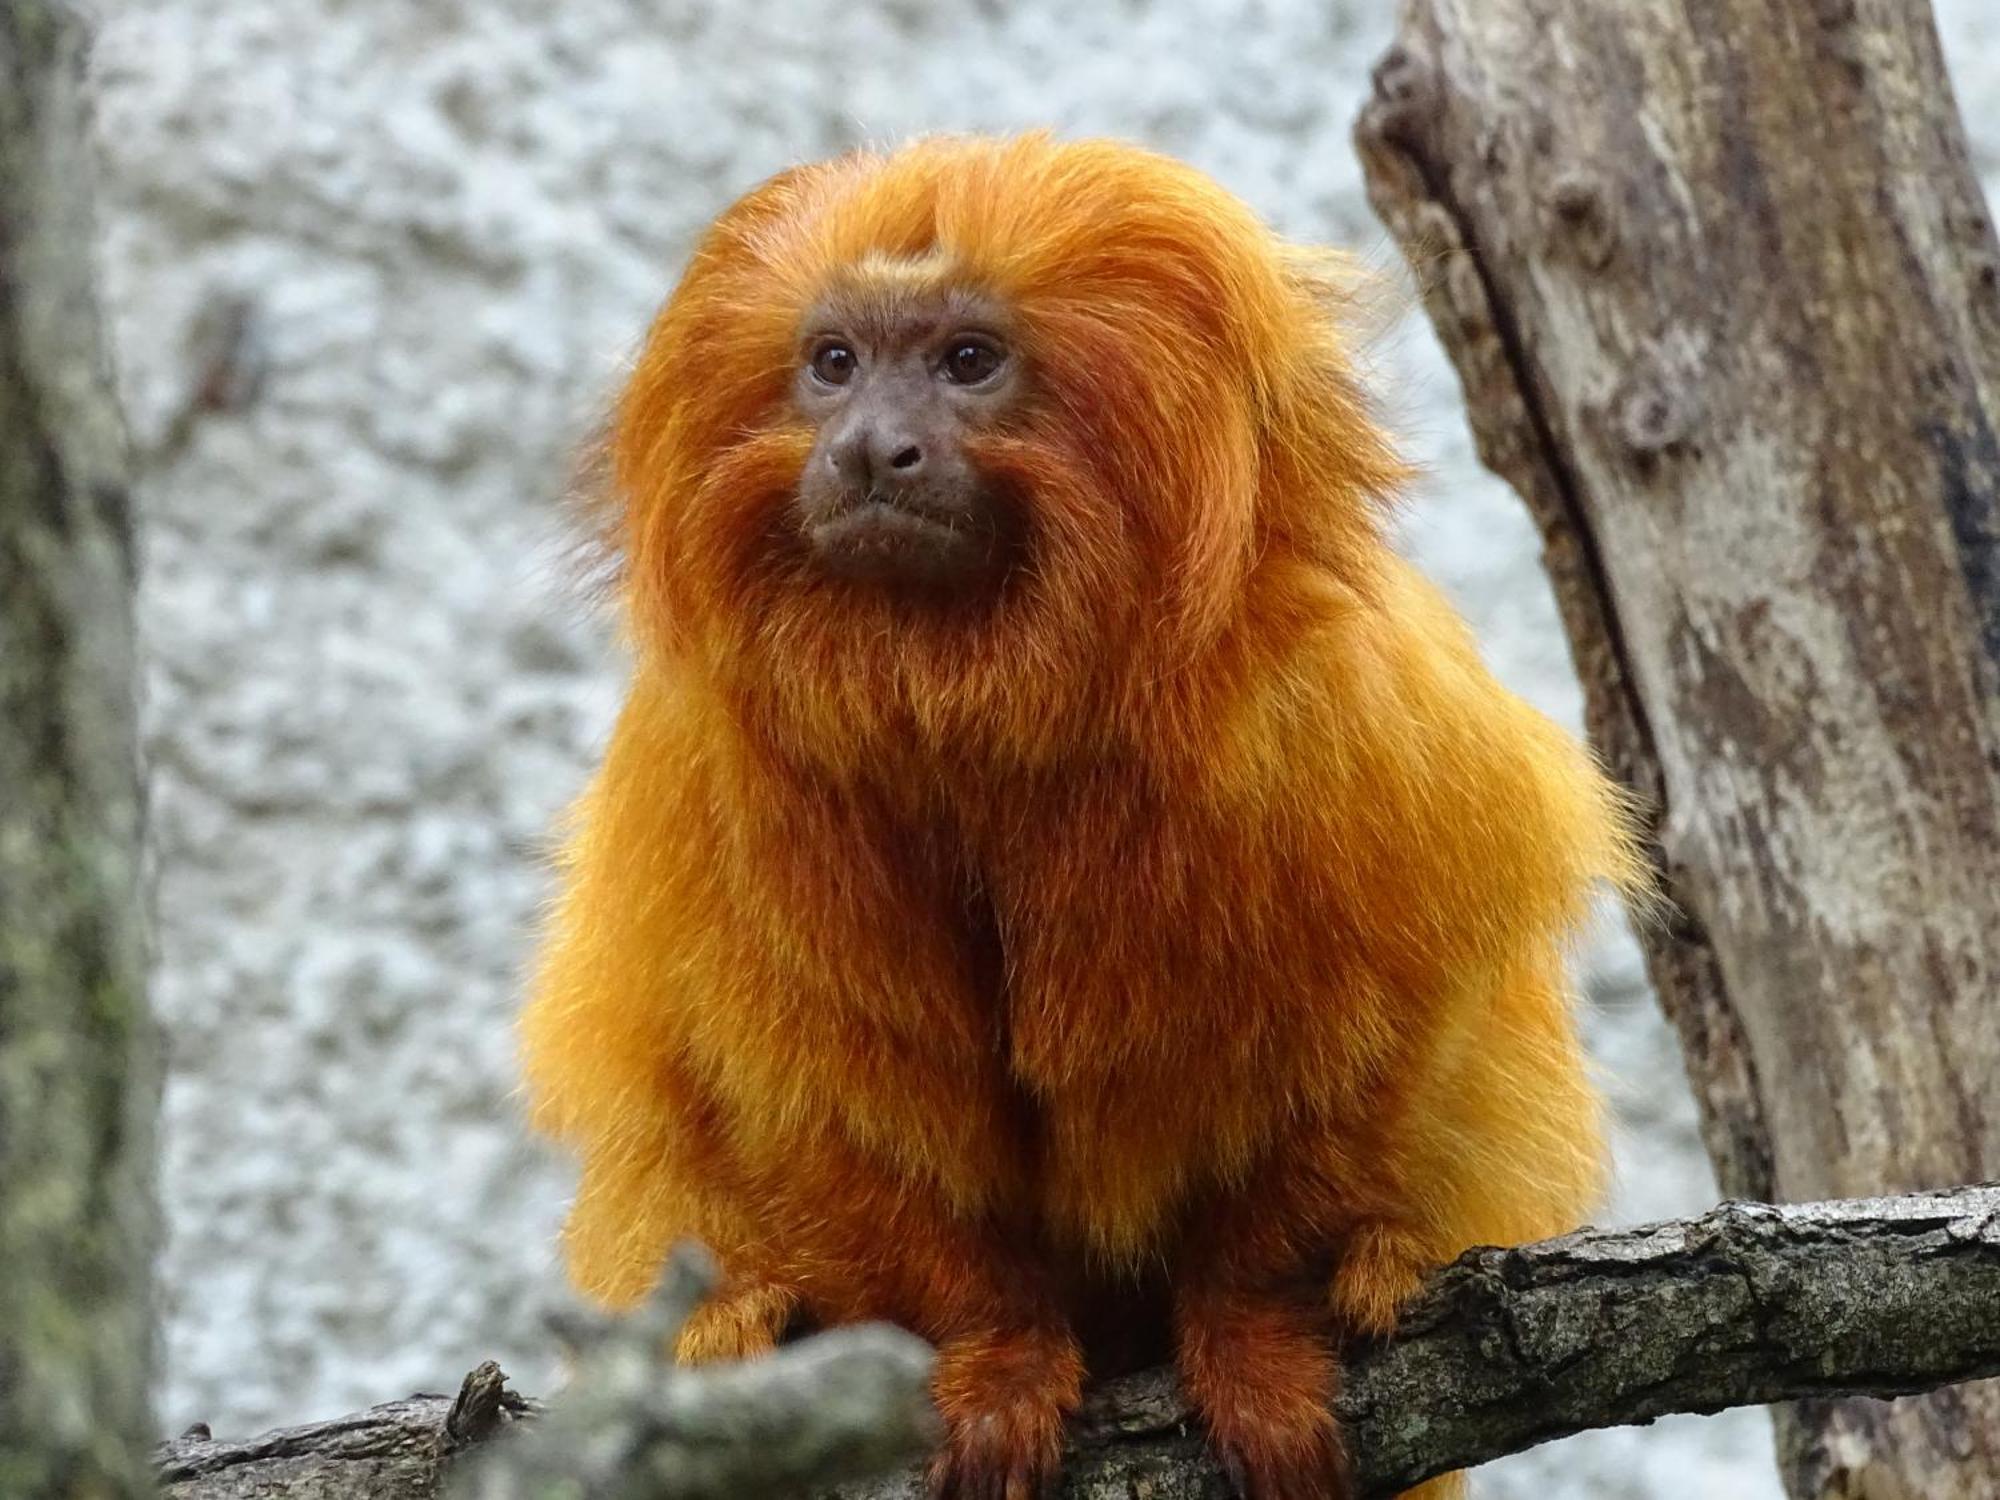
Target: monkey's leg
{"points": [[1004, 1396], [1258, 1363], [1255, 1341], [1009, 1369]]}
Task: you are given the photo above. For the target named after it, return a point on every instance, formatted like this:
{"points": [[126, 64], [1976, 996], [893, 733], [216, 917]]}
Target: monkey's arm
{"points": [[601, 1038], [758, 1020]]}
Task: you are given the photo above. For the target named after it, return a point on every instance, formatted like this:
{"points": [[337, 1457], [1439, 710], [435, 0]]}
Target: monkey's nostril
{"points": [[908, 458]]}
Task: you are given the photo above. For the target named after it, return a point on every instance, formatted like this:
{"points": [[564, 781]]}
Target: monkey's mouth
{"points": [[903, 539]]}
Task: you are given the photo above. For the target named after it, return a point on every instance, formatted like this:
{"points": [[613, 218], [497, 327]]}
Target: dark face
{"points": [[898, 383]]}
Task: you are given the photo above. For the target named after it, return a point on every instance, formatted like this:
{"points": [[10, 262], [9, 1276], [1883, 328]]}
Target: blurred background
{"points": [[373, 269]]}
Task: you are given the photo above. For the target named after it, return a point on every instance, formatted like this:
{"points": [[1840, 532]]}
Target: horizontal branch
{"points": [[632, 1425], [1503, 1350]]}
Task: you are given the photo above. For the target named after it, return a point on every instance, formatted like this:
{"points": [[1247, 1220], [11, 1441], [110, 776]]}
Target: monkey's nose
{"points": [[879, 458]]}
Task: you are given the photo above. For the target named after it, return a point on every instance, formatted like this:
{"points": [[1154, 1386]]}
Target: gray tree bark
{"points": [[1725, 300], [76, 1057], [631, 1425], [1503, 1350]]}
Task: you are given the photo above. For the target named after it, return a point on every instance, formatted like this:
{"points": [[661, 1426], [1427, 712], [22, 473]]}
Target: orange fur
{"points": [[1196, 914]]}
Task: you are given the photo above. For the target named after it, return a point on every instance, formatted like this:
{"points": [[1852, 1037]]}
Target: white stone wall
{"points": [[441, 226]]}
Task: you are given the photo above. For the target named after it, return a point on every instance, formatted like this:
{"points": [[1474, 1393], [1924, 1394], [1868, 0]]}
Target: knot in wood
{"points": [[1986, 278], [1579, 215], [1649, 418], [484, 1402], [1405, 96]]}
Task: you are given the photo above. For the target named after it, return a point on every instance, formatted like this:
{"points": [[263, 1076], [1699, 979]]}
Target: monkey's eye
{"points": [[971, 361], [834, 364]]}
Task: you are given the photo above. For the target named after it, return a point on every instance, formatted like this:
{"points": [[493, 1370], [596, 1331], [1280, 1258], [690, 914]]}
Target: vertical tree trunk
{"points": [[1719, 282], [76, 1075]]}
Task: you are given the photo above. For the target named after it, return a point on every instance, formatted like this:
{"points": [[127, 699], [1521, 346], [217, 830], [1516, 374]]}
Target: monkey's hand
{"points": [[738, 1322], [1004, 1398], [1380, 1269]]}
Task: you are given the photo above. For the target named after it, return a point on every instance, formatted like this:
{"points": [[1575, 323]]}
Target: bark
{"points": [[629, 1425], [76, 1071], [1503, 1350], [1725, 301], [633, 1426]]}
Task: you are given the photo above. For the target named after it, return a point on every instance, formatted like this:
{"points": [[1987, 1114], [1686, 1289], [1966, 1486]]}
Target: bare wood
{"points": [[632, 1425], [76, 1061], [629, 1425], [1504, 1350], [1725, 300], [400, 1450]]}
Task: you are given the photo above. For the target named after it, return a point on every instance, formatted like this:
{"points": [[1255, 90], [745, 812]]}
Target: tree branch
{"points": [[1503, 1350], [631, 1425]]}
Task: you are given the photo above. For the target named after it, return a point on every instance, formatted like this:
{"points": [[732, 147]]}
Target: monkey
{"points": [[1060, 880]]}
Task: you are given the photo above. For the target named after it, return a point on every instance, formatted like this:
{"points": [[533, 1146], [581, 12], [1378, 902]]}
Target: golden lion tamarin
{"points": [[1058, 876]]}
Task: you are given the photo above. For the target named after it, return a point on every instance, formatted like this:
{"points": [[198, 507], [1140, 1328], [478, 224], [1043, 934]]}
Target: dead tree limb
{"points": [[632, 1426], [76, 1060], [1725, 299], [628, 1426], [1504, 1350]]}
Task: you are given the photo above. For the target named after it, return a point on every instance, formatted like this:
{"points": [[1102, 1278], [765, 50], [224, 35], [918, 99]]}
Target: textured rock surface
{"points": [[372, 268]]}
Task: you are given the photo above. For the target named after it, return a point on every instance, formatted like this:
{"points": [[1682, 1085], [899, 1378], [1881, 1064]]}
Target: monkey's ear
{"points": [[594, 520]]}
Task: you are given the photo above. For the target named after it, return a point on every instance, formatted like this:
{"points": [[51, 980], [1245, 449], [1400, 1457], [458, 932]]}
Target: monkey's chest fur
{"points": [[1155, 1060], [1087, 1035]]}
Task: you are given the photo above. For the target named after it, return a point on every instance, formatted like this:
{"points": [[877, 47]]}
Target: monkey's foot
{"points": [[1261, 1372], [1004, 1400], [737, 1323]]}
